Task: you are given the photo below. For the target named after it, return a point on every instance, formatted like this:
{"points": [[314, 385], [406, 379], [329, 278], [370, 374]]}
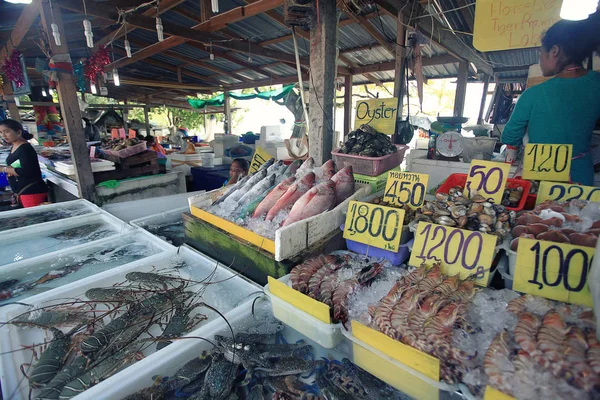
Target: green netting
{"points": [[219, 99]]}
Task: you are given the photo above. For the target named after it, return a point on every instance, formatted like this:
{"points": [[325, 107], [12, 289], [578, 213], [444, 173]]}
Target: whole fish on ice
{"points": [[249, 209], [276, 166], [250, 183], [305, 168], [317, 200], [297, 190], [239, 184], [272, 198], [344, 184], [293, 167], [254, 191], [328, 170]]}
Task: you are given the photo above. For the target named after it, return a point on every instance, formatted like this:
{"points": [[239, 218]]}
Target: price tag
{"points": [[495, 394], [131, 134], [488, 179], [92, 151], [122, 133], [261, 156], [406, 188], [114, 133], [566, 192], [556, 271], [374, 225], [548, 162], [460, 251]]}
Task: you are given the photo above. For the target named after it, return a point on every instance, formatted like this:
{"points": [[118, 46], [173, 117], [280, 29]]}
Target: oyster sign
{"points": [[380, 114]]}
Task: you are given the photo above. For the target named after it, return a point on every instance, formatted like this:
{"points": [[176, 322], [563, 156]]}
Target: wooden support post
{"points": [[227, 114], [486, 83], [12, 106], [69, 107], [125, 112], [461, 88], [147, 120], [179, 75], [400, 69], [205, 10], [322, 85], [347, 105]]}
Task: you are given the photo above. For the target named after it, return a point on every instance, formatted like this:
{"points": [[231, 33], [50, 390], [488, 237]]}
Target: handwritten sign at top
{"points": [[547, 162], [261, 156], [380, 114], [557, 271], [512, 24], [488, 179]]}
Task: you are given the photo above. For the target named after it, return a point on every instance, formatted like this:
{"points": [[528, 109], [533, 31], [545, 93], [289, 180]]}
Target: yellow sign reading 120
{"points": [[380, 114], [460, 251], [566, 192], [406, 188], [488, 179], [548, 162], [556, 271], [374, 225]]}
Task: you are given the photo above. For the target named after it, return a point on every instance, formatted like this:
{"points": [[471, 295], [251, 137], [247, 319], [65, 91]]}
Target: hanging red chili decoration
{"points": [[96, 63], [13, 69]]}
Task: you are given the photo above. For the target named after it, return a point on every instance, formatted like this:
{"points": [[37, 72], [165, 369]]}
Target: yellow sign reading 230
{"points": [[374, 225], [566, 192]]}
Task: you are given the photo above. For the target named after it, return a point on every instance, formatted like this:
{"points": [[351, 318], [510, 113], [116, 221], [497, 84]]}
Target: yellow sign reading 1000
{"points": [[556, 271], [374, 225]]}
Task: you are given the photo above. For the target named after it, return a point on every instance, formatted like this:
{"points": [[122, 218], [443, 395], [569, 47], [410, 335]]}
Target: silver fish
{"points": [[256, 190], [232, 189], [254, 179]]}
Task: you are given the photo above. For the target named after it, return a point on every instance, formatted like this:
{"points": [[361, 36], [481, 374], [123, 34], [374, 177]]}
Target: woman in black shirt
{"points": [[23, 169]]}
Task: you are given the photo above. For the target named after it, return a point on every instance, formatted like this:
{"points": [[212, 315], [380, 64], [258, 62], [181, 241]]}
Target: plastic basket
{"points": [[327, 335], [461, 180], [395, 257], [371, 166], [377, 183], [127, 152]]}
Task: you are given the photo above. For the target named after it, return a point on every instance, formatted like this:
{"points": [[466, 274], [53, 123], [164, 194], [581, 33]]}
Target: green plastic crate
{"points": [[377, 183]]}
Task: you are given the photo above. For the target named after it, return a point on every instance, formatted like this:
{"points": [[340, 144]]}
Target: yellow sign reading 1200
{"points": [[374, 225], [556, 271], [548, 162], [380, 114]]}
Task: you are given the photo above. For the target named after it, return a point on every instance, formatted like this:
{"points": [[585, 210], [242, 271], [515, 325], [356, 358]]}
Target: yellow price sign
{"points": [[260, 157], [380, 114], [488, 179], [374, 225], [494, 394], [512, 24], [406, 188], [556, 271], [459, 251], [548, 162], [566, 192]]}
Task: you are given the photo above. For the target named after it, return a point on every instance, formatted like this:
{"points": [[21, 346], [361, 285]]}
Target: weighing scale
{"points": [[448, 145]]}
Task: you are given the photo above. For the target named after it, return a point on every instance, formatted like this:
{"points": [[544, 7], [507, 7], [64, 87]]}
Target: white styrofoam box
{"points": [[327, 335], [226, 293], [165, 217], [136, 209], [98, 165], [75, 207], [439, 170], [149, 247], [23, 243], [270, 130]]}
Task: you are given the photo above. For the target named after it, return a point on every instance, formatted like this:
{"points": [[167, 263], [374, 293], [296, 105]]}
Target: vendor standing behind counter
{"points": [[564, 109], [23, 170]]}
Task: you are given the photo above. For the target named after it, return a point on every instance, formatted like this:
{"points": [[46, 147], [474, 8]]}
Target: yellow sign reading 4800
{"points": [[374, 225]]}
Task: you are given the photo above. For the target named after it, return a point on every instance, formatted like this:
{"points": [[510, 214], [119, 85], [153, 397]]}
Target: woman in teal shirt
{"points": [[564, 109]]}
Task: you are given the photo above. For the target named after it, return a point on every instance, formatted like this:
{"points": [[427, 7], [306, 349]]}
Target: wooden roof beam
{"points": [[369, 28], [180, 34], [390, 66], [28, 16], [165, 5], [442, 37], [285, 80]]}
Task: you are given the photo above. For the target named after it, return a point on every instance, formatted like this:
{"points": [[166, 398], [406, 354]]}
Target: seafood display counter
{"points": [[114, 318], [167, 226], [52, 212]]}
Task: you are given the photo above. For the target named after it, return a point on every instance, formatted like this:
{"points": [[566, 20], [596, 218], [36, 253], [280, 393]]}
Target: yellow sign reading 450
{"points": [[374, 225]]}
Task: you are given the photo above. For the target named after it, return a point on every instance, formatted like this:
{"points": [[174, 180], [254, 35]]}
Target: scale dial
{"points": [[449, 144]]}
